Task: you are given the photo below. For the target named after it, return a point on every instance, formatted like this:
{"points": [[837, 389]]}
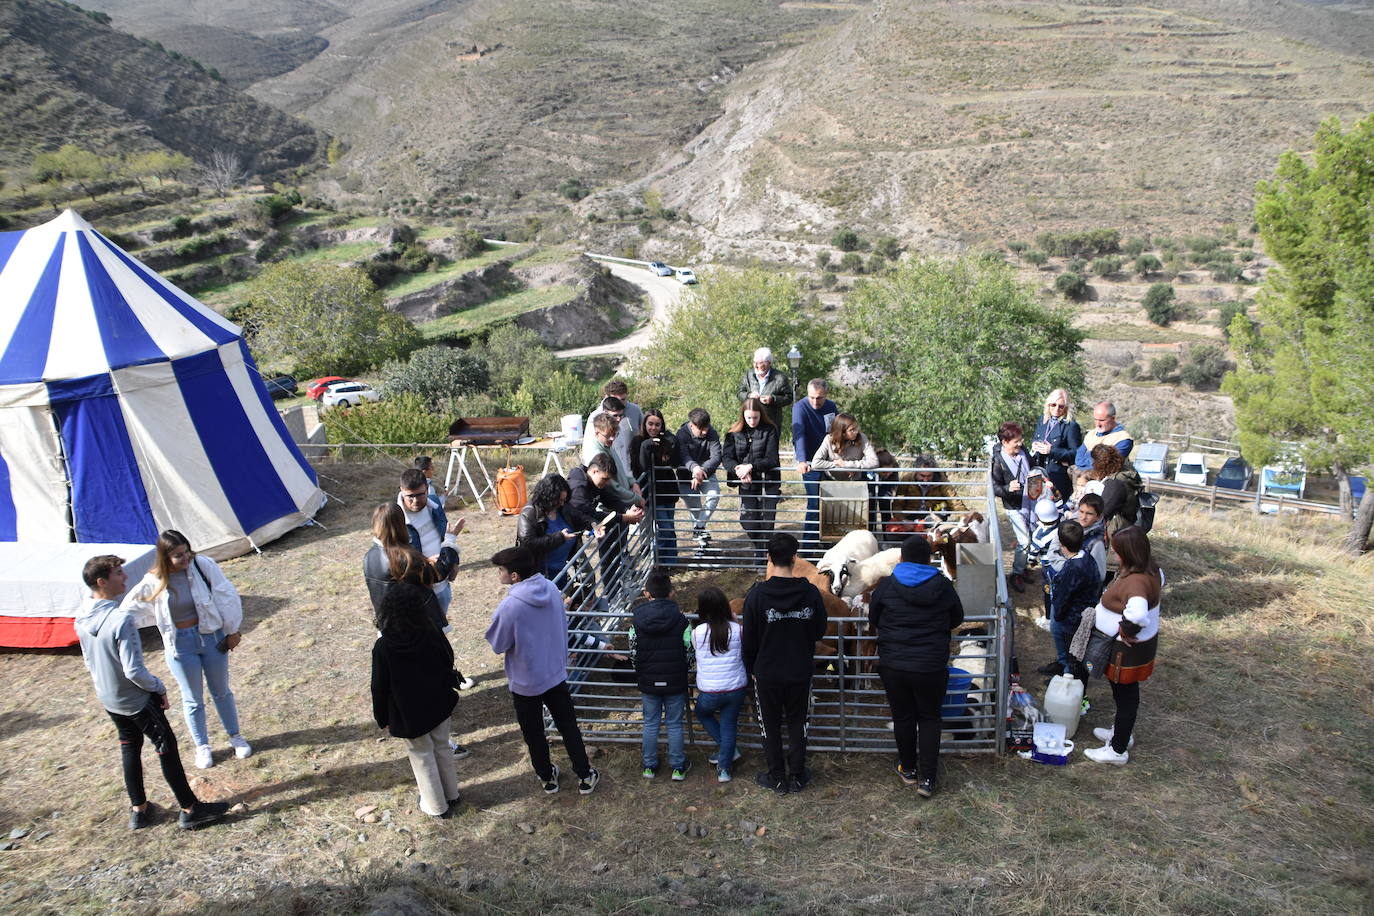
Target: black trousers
{"points": [[916, 698], [1127, 697], [150, 721], [784, 705], [758, 504], [529, 712]]}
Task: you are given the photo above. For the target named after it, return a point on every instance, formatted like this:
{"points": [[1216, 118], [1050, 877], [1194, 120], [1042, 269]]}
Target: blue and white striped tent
{"points": [[127, 407]]}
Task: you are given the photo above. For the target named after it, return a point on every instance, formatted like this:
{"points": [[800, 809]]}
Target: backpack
{"points": [[1145, 517]]}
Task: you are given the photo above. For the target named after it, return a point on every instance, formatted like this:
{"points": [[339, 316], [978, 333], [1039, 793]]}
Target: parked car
{"points": [[1276, 480], [348, 395], [281, 386], [1234, 474], [685, 276], [661, 269], [1151, 460], [1191, 468], [315, 390]]}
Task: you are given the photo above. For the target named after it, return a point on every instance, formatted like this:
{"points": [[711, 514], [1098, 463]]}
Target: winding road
{"points": [[663, 292]]}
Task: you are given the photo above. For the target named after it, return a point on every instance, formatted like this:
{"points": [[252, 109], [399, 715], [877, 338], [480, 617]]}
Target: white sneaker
{"points": [[241, 747], [1107, 755], [1105, 734], [205, 756]]}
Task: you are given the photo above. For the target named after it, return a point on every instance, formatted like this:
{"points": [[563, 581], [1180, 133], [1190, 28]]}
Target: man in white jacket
{"points": [[133, 696]]}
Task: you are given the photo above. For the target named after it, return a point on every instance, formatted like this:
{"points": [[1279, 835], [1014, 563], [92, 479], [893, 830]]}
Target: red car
{"points": [[315, 390]]}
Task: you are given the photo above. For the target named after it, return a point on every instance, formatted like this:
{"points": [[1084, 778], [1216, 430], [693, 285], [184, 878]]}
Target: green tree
{"points": [[438, 375], [699, 356], [515, 355], [1107, 264], [72, 163], [1072, 285], [1035, 256], [1147, 264], [1204, 367], [852, 262], [1160, 304], [1305, 369], [888, 247], [321, 319], [1163, 367], [1227, 313], [951, 349], [846, 240], [823, 259]]}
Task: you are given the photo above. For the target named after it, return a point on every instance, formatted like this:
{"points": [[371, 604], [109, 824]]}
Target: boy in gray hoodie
{"points": [[132, 695]]}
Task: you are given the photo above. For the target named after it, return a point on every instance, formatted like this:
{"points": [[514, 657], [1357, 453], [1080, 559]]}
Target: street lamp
{"points": [[794, 361]]}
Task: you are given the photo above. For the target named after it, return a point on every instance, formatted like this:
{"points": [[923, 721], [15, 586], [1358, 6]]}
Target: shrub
{"points": [[1016, 246], [1147, 264], [468, 243], [846, 240], [1072, 285], [401, 419], [547, 397], [1035, 256], [1107, 264], [1202, 244], [199, 247], [1080, 244], [828, 280], [1160, 304], [1134, 247], [1227, 314], [876, 264], [852, 262], [573, 189], [1163, 367], [1224, 272], [515, 355], [823, 259], [888, 247], [1076, 266], [1175, 265], [438, 375], [1204, 367]]}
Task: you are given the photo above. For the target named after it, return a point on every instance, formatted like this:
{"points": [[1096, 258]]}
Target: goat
{"points": [[866, 573], [839, 561]]}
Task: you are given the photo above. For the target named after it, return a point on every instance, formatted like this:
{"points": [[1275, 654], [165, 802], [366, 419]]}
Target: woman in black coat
{"points": [[655, 451], [414, 690], [749, 454], [549, 525], [1054, 444]]}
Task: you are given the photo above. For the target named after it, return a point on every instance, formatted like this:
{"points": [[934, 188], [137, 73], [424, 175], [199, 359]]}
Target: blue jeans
{"points": [[1063, 631], [1020, 528], [444, 592], [663, 531], [811, 528], [672, 708], [718, 713], [196, 662]]}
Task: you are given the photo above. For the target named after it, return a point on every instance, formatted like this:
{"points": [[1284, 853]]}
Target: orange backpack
{"points": [[511, 494]]}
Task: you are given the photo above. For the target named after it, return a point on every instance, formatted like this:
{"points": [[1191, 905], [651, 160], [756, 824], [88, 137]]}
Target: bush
{"points": [[1160, 304], [828, 280], [1204, 367], [547, 397], [1147, 264], [199, 247], [823, 259], [877, 263], [1163, 367], [400, 419], [1035, 256], [852, 263], [437, 375], [514, 356], [1107, 264], [1017, 246], [573, 189], [1080, 244], [1134, 247], [846, 240], [1202, 244], [468, 243], [1227, 314], [1224, 272], [888, 247], [1072, 285]]}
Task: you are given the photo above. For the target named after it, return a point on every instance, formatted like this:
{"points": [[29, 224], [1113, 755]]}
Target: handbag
{"points": [[1145, 518]]}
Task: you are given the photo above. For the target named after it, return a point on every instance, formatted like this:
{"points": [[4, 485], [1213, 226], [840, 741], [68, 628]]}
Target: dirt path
{"points": [[663, 292]]}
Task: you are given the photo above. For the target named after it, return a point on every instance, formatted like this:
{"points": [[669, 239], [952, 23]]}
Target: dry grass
{"points": [[1250, 789]]}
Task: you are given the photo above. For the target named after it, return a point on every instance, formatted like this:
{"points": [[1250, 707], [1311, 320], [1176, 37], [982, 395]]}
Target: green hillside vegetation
{"points": [[468, 322]]}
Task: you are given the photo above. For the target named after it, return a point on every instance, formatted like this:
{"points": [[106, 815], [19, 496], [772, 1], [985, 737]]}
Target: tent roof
{"points": [[73, 305]]}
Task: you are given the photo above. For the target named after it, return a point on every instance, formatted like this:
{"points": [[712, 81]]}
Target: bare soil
{"points": [[1250, 788]]}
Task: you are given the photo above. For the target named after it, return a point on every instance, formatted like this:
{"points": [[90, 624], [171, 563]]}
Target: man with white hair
{"points": [[768, 385], [1106, 431]]}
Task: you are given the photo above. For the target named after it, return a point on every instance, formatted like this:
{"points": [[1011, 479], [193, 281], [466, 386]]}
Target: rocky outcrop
{"points": [[462, 292], [605, 308]]}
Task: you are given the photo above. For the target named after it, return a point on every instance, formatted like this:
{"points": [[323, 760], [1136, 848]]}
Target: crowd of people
{"points": [[1071, 500]]}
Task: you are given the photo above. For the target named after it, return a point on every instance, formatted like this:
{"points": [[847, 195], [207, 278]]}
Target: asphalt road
{"points": [[663, 292]]}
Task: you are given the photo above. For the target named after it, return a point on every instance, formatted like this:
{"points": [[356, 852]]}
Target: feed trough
{"points": [[488, 430]]}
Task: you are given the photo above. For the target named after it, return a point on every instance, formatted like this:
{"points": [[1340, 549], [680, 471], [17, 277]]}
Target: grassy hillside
{"points": [[1250, 788], [68, 78]]}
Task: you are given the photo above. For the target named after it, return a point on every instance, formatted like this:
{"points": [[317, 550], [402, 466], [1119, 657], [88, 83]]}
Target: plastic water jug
{"points": [[1064, 702], [572, 428]]}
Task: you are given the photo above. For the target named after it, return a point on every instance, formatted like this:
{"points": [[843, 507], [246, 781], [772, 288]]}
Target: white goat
{"points": [[865, 574], [841, 560], [973, 657]]}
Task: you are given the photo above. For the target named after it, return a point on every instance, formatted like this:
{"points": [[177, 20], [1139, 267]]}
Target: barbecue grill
{"points": [[488, 430]]}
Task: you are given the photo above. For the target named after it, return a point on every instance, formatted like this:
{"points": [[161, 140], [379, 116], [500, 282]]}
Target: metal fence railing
{"points": [[604, 579]]}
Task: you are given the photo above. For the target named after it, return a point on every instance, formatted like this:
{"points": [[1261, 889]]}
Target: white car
{"points": [[1192, 469], [685, 276], [348, 395], [660, 269]]}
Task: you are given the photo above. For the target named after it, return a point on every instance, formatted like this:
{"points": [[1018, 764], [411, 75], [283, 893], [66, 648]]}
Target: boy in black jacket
{"points": [[1074, 589], [914, 610], [661, 647], [784, 616]]}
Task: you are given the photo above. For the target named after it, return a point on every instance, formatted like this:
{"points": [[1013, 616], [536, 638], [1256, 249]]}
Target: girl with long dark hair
{"points": [[749, 454], [655, 451], [721, 681]]}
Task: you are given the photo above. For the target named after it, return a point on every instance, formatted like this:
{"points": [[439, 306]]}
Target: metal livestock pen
{"points": [[605, 577]]}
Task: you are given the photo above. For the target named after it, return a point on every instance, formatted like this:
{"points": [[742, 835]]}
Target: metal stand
{"points": [[458, 455]]}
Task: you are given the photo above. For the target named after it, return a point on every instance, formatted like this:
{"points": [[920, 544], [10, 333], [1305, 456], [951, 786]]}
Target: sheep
{"points": [[974, 657], [866, 573], [839, 561]]}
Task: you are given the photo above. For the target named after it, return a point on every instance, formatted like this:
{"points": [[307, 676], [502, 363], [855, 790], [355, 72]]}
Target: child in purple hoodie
{"points": [[530, 627]]}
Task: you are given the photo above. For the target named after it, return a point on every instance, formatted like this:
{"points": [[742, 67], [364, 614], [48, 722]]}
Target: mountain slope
{"points": [[66, 78]]}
